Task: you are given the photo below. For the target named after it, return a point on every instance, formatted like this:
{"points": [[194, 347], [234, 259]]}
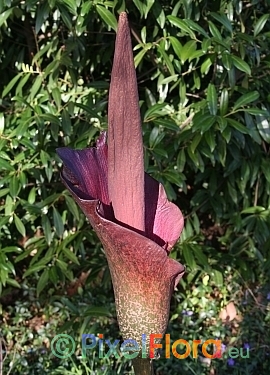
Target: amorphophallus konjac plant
{"points": [[127, 208]]}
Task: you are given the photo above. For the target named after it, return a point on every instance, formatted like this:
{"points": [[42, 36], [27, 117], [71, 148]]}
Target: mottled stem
{"points": [[143, 366]]}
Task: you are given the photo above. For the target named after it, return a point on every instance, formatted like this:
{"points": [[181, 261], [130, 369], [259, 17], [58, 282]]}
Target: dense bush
{"points": [[203, 73]]}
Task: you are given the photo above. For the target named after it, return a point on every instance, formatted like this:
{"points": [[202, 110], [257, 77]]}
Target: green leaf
{"points": [[72, 207], [217, 278], [203, 122], [227, 61], [11, 249], [173, 177], [58, 222], [214, 30], [177, 46], [138, 58], [237, 125], [19, 225], [71, 256], [11, 84], [196, 27], [42, 14], [66, 122], [3, 222], [46, 226], [241, 64], [5, 165], [4, 16], [153, 136], [253, 131], [53, 66], [51, 118], [107, 17], [246, 99], [14, 186], [167, 60], [181, 160], [166, 123], [205, 280], [195, 142], [13, 283], [253, 210], [71, 6], [255, 111], [65, 16], [206, 65], [56, 97], [159, 14], [22, 82], [9, 205], [222, 123], [33, 269], [96, 311], [224, 101], [212, 99], [3, 192], [196, 223], [21, 130], [196, 55], [182, 91], [181, 25], [160, 151], [187, 50], [32, 195], [8, 266], [42, 281], [188, 256], [210, 139], [149, 4], [263, 127], [35, 88], [197, 80], [260, 24], [2, 123], [44, 157], [156, 110], [206, 45], [223, 20], [86, 7], [53, 275], [71, 306], [202, 259], [141, 7]]}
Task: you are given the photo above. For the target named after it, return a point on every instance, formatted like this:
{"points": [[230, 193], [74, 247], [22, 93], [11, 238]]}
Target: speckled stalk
{"points": [[143, 366]]}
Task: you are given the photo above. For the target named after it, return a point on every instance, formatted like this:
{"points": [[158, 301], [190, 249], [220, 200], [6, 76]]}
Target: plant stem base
{"points": [[143, 366]]}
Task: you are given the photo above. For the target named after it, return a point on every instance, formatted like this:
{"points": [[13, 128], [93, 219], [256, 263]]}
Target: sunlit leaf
{"points": [[58, 222], [107, 17], [224, 102], [212, 99], [260, 24], [182, 26], [246, 99], [19, 225], [241, 64]]}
